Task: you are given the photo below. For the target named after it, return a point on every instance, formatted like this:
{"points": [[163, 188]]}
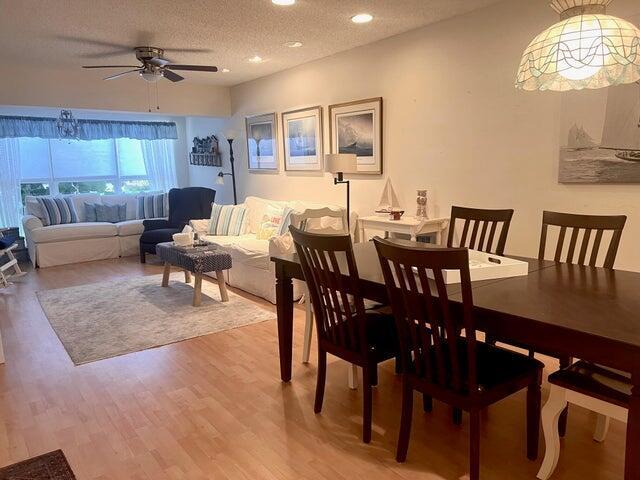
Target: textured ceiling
{"points": [[70, 33]]}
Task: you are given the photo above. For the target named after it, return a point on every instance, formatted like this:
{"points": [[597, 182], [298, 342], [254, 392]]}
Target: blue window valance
{"points": [[45, 127]]}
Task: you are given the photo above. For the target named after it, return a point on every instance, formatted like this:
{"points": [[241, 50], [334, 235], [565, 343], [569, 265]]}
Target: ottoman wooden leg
{"points": [[165, 275], [197, 290], [223, 286], [187, 276]]}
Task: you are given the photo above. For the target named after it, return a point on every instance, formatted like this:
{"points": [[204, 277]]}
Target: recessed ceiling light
{"points": [[225, 70], [256, 59], [293, 44], [362, 18], [283, 2]]}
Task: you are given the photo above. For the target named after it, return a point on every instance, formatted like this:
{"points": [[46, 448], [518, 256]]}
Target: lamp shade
{"points": [[220, 179], [341, 162], [230, 134], [586, 49]]}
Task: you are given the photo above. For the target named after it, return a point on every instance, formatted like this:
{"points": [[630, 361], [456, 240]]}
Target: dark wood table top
{"points": [[579, 306]]}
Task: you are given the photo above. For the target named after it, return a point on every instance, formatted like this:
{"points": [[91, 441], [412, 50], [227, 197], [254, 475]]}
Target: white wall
{"points": [[77, 88], [454, 124], [207, 176], [180, 145]]}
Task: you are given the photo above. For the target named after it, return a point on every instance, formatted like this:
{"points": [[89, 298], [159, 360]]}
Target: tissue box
{"points": [[183, 239]]}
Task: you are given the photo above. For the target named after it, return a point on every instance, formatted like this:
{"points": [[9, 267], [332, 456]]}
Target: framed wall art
{"points": [[302, 134], [262, 147], [356, 127]]}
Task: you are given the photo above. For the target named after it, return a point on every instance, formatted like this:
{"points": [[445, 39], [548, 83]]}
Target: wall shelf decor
{"points": [[205, 152]]}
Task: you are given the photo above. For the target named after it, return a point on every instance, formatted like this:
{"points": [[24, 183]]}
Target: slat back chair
{"points": [[480, 229], [570, 225], [329, 268], [302, 219], [429, 332], [437, 359]]}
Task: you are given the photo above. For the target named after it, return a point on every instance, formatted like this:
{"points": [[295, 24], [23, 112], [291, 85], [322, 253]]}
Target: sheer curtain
{"points": [[160, 163], [10, 201]]}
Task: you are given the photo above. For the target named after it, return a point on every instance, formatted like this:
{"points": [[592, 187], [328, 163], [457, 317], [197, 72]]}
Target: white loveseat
{"points": [[83, 241], [252, 270]]}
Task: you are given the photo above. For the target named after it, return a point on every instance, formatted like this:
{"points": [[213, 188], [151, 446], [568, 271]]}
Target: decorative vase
{"points": [[421, 201]]}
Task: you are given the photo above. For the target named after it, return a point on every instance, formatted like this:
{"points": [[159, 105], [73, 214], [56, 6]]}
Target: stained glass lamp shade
{"points": [[586, 49]]}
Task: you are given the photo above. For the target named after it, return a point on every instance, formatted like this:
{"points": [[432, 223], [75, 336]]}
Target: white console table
{"points": [[408, 225]]}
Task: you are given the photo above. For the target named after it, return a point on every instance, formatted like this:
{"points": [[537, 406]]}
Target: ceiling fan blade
{"points": [[111, 66], [195, 68], [173, 76], [122, 74], [188, 50], [159, 61], [116, 48]]}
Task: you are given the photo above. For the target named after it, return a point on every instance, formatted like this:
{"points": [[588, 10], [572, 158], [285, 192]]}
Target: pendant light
{"points": [[586, 49]]}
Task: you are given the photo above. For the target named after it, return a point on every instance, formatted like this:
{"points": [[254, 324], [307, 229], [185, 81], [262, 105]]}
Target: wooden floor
{"points": [[214, 407]]}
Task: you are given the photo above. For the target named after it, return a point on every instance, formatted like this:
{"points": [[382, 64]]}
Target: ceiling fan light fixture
{"points": [[151, 77], [362, 18], [283, 3], [256, 59], [294, 44], [586, 49]]}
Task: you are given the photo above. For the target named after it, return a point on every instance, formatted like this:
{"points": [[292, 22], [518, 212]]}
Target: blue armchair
{"points": [[185, 204]]}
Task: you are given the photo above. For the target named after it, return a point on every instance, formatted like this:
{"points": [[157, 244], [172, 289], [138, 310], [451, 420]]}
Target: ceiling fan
{"points": [[154, 66]]}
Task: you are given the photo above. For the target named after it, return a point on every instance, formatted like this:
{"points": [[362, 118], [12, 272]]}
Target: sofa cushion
{"points": [[111, 213], [246, 249], [56, 210], [79, 201], [73, 231], [130, 227], [128, 199], [152, 206]]}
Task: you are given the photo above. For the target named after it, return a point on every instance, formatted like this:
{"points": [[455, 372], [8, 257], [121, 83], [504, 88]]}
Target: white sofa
{"points": [[83, 241], [252, 270]]}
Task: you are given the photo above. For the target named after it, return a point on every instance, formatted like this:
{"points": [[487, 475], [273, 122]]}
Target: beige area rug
{"points": [[104, 320]]}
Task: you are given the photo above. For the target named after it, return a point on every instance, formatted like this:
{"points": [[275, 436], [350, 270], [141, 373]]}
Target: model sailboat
{"points": [[622, 122], [579, 139], [388, 201]]}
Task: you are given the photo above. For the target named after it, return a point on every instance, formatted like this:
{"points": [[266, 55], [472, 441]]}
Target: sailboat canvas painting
{"points": [[600, 136]]}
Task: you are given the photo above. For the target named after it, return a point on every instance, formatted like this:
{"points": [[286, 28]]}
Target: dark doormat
{"points": [[50, 466]]}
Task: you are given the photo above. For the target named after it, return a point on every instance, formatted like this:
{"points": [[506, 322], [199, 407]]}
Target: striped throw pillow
{"points": [[286, 220], [152, 206], [56, 210], [226, 219]]}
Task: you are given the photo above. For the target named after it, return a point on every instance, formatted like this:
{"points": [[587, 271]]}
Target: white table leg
{"points": [[602, 427]]}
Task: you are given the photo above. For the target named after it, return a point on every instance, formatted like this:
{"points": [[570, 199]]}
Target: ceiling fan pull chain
{"points": [[157, 98], [149, 97]]}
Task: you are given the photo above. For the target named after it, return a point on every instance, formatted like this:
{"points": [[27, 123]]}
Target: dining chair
{"points": [[484, 225], [301, 220], [596, 388], [574, 234], [343, 327], [437, 359]]}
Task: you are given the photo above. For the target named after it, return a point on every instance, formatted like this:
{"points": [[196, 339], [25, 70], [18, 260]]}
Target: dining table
{"points": [[579, 311]]}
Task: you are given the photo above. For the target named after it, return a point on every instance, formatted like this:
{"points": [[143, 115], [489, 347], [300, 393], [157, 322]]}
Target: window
{"points": [[80, 166]]}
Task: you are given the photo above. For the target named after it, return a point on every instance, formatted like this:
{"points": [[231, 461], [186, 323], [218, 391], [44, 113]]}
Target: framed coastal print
{"points": [[262, 149], [356, 127], [302, 134]]}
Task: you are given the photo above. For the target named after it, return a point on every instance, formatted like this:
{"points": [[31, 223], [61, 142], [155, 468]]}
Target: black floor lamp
{"points": [[220, 181], [339, 164]]}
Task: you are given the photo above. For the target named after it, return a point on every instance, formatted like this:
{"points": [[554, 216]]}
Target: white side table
{"points": [[406, 225]]}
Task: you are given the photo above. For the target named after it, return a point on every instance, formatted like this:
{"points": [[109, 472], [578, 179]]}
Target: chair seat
{"points": [[609, 385], [158, 236], [495, 366]]}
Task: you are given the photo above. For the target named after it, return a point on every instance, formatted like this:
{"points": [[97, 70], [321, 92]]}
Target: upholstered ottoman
{"points": [[197, 260]]}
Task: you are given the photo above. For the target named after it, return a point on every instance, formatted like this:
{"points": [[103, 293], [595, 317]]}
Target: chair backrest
{"points": [[483, 231], [301, 220], [588, 252], [190, 203], [329, 268], [429, 331]]}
